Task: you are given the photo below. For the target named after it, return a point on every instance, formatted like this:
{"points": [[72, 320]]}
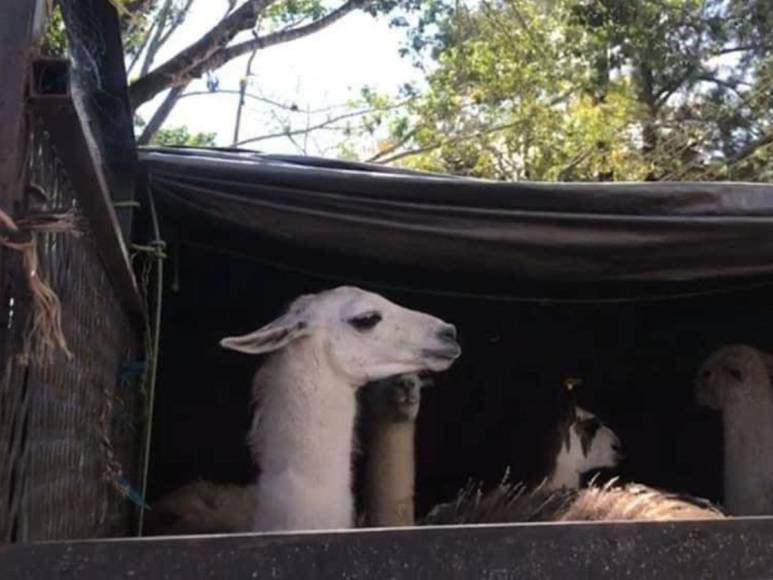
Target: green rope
{"points": [[126, 204], [155, 248]]}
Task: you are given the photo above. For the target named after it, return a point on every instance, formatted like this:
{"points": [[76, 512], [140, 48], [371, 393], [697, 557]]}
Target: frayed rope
{"points": [[44, 335]]}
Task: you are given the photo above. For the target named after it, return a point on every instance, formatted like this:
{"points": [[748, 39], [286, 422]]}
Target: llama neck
{"points": [[565, 474], [390, 474], [303, 442], [748, 473]]}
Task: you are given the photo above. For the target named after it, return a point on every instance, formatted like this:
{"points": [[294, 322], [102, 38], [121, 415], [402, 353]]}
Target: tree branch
{"points": [[665, 93], [307, 129], [391, 148], [694, 74], [293, 108], [742, 48], [155, 41], [751, 148], [178, 20], [158, 118], [442, 142], [411, 152], [732, 85], [242, 93], [211, 51], [134, 6], [573, 163], [146, 38], [187, 64], [290, 135], [286, 35]]}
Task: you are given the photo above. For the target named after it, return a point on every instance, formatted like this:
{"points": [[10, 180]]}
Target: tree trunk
{"points": [[158, 118]]}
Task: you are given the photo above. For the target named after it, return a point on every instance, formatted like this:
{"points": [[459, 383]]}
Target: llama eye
{"points": [[736, 374], [366, 321]]}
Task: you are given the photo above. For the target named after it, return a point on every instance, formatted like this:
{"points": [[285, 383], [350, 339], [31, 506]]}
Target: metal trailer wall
{"points": [[70, 428]]}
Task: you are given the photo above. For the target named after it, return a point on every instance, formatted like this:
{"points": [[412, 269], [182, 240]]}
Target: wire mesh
{"points": [[69, 431]]}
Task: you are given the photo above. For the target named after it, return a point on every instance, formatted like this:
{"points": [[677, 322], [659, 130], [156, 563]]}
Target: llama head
{"points": [[396, 399], [590, 444], [730, 374], [362, 336]]}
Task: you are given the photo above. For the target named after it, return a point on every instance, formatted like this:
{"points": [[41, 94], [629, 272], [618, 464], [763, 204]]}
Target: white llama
{"points": [[202, 507], [323, 349], [735, 381]]}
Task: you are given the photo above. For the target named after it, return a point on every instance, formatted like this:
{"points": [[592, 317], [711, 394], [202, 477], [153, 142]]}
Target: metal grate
{"points": [[69, 430]]}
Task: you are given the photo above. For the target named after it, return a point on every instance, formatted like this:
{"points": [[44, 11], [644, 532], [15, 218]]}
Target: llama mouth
{"points": [[450, 353]]}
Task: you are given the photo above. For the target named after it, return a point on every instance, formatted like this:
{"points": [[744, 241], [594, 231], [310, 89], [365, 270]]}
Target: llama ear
{"points": [[271, 337], [572, 386]]}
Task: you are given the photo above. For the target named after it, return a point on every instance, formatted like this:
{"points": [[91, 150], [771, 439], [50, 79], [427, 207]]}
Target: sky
{"points": [[325, 69]]}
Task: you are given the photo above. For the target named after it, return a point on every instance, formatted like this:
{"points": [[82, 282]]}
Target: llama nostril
{"points": [[447, 333]]}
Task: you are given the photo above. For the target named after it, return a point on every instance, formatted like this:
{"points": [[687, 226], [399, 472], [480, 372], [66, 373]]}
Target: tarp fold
{"points": [[543, 241]]}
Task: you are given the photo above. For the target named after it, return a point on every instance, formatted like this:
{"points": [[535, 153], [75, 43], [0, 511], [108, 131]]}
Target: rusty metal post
{"points": [[98, 50], [21, 22], [21, 26]]}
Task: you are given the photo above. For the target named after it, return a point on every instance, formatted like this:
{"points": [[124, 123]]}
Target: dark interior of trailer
{"points": [[495, 408]]}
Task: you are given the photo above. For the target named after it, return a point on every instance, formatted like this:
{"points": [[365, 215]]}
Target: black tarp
{"points": [[404, 229]]}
